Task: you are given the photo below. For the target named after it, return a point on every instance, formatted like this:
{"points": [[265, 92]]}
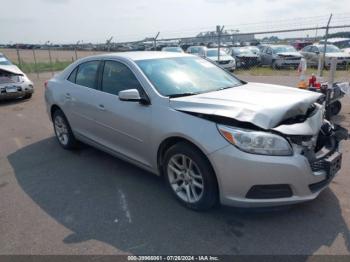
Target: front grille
{"points": [[224, 62], [318, 165]]}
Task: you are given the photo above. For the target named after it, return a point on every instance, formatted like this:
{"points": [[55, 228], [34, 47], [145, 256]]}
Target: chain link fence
{"points": [[277, 51]]}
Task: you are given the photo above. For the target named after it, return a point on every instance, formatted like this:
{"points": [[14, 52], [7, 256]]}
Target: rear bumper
{"points": [[23, 89]]}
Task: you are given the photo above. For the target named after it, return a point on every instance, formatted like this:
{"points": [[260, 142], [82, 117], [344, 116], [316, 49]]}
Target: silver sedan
{"points": [[215, 138]]}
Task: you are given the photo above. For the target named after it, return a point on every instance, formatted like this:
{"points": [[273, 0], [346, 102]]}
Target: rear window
{"points": [[86, 75]]}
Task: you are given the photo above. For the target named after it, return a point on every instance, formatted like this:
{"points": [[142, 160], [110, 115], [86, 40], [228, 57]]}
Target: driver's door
{"points": [[123, 126]]}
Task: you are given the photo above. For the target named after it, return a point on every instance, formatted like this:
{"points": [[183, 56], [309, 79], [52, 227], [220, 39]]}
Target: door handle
{"points": [[101, 107], [68, 96]]}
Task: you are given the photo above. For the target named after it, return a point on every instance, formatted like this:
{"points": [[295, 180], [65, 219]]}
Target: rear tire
{"points": [[63, 131], [190, 177]]}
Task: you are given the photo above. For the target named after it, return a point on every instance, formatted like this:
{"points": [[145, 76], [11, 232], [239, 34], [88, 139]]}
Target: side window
{"points": [[86, 75], [118, 77], [307, 49], [314, 49], [73, 75]]}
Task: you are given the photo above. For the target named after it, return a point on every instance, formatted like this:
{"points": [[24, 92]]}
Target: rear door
{"points": [[80, 95], [122, 126], [314, 55], [263, 55]]}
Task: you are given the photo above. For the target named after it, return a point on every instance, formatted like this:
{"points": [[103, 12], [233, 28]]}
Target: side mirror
{"points": [[131, 95]]}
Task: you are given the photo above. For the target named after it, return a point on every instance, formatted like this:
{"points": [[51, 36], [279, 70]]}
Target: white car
{"points": [[313, 52], [13, 82], [226, 61]]}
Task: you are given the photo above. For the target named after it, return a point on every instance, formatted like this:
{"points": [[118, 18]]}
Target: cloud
{"points": [[57, 1]]}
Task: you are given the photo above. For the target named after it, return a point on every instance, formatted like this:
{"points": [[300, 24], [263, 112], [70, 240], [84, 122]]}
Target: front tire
{"points": [[190, 177], [63, 131], [275, 65]]}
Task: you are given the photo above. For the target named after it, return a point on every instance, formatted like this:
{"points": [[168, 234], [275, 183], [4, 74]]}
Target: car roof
{"points": [[322, 45], [197, 46], [278, 45], [142, 55]]}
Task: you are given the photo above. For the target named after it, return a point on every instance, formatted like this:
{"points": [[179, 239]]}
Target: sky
{"points": [[68, 21]]}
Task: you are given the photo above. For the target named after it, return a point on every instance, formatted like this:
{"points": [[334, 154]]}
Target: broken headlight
{"points": [[256, 142]]}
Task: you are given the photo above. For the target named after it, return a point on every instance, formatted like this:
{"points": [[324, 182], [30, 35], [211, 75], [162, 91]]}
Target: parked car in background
{"points": [[312, 54], [298, 45], [197, 50], [13, 82], [346, 50], [214, 138], [244, 57], [175, 49], [340, 42], [279, 56], [226, 61], [254, 49]]}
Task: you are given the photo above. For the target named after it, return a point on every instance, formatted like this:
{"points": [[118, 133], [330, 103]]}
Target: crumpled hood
{"points": [[263, 105], [340, 54], [11, 69], [247, 56], [222, 58], [295, 54]]}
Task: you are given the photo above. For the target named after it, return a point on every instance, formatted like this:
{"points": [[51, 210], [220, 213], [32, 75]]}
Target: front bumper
{"points": [[228, 66], [288, 63], [21, 90], [239, 173]]}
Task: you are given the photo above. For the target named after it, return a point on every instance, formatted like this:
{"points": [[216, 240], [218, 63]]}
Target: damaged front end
{"points": [[322, 151], [309, 135]]}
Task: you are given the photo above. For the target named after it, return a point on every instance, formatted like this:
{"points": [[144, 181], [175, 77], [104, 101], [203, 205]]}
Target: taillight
{"points": [[46, 83]]}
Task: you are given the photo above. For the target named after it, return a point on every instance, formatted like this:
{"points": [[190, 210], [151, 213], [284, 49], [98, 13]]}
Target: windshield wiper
{"points": [[183, 94], [227, 87]]}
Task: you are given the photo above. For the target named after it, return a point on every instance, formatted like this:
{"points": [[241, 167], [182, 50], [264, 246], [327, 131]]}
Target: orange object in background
{"points": [[302, 84]]}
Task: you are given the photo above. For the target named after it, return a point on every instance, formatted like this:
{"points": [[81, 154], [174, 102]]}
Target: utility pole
{"points": [[35, 63], [325, 45], [219, 30], [50, 57], [18, 57], [109, 44], [155, 42], [75, 50]]}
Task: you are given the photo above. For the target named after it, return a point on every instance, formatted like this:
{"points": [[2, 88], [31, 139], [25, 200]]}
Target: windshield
{"points": [[254, 49], [186, 75], [282, 49], [173, 49], [330, 49], [242, 51], [4, 60], [214, 52]]}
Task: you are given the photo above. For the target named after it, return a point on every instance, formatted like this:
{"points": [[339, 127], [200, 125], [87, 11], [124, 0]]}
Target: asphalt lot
{"points": [[87, 202]]}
